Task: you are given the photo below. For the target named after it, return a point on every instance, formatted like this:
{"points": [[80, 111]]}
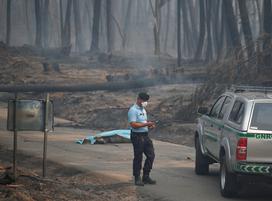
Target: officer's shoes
{"points": [[148, 180], [138, 181]]}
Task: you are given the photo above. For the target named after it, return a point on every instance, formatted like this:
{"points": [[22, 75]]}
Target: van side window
{"points": [[225, 107], [217, 107], [237, 112]]}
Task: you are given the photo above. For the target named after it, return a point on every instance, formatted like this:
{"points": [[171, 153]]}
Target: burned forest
{"points": [[83, 63]]}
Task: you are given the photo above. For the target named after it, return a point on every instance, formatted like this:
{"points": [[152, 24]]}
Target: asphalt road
{"points": [[173, 167]]}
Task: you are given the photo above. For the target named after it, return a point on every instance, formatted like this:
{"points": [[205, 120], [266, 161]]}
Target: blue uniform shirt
{"points": [[137, 114]]}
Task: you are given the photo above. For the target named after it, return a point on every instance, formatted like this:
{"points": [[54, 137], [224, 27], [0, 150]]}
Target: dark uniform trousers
{"points": [[142, 144]]}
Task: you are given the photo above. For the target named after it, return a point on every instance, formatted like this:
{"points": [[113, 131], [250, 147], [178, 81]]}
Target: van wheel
{"points": [[201, 162], [228, 180]]}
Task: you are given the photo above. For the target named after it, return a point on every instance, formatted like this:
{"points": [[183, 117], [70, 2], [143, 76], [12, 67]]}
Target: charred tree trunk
{"points": [[232, 24], [201, 37], [66, 37], [126, 25], [78, 27], [38, 39], [156, 27], [8, 28], [191, 10], [187, 40], [29, 34], [61, 21], [110, 30], [267, 29], [167, 27], [216, 27], [179, 32], [222, 35], [45, 25], [96, 23], [246, 27], [209, 51]]}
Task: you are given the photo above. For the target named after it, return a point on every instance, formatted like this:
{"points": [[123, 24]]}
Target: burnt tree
{"points": [[179, 33], [66, 33], [78, 27], [246, 27], [8, 25], [38, 17], [96, 22], [110, 27], [267, 31], [202, 29]]}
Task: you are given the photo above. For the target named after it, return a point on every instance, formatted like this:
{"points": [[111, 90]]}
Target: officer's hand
{"points": [[151, 124]]}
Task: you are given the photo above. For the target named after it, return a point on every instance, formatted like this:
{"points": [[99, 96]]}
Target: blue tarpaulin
{"points": [[113, 136]]}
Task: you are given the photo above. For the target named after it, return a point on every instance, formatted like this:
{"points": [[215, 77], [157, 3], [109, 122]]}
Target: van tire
{"points": [[201, 161], [228, 180]]}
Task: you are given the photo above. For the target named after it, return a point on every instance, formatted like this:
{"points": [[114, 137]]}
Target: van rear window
{"points": [[262, 117]]}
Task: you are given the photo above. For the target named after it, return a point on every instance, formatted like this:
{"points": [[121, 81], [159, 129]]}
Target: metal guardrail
{"points": [[244, 88], [109, 86]]}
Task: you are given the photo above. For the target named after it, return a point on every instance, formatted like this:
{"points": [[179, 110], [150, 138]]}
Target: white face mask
{"points": [[144, 104]]}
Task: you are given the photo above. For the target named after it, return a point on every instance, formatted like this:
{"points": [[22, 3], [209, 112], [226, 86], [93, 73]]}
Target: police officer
{"points": [[137, 118]]}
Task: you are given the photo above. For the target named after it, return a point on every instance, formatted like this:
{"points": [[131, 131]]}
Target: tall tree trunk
{"points": [[78, 27], [126, 25], [61, 20], [179, 32], [260, 16], [45, 24], [29, 34], [267, 29], [187, 33], [167, 26], [66, 37], [110, 28], [8, 28], [156, 27], [202, 26], [222, 35], [38, 39], [209, 51], [246, 27], [216, 26], [193, 20], [96, 22], [232, 24]]}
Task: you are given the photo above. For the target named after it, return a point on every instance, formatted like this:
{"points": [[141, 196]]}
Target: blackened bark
{"points": [[38, 39], [187, 33], [232, 24], [45, 25], [126, 25], [8, 28], [267, 29], [66, 37], [201, 37], [209, 51], [179, 32], [157, 27], [110, 28], [167, 27], [61, 20], [96, 23], [78, 27], [246, 27]]}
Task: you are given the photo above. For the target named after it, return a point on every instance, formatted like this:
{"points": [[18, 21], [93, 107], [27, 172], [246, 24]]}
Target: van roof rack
{"points": [[245, 88]]}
